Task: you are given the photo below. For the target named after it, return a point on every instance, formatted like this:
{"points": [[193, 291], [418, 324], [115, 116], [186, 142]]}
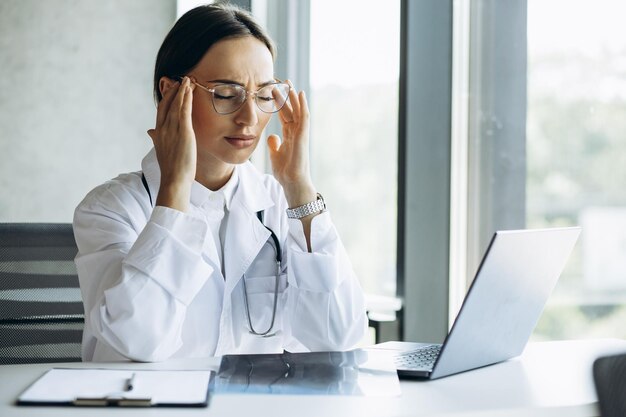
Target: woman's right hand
{"points": [[175, 145]]}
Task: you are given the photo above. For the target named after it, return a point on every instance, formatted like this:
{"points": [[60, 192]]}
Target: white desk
{"points": [[549, 379]]}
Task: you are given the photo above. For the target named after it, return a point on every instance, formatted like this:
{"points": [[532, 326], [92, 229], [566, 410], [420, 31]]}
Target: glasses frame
{"points": [[254, 94]]}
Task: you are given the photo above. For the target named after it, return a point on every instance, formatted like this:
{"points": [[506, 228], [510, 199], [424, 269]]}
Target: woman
{"points": [[195, 255]]}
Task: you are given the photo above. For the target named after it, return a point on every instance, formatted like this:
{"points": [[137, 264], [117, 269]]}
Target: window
{"points": [[576, 148], [538, 110], [547, 128], [354, 74]]}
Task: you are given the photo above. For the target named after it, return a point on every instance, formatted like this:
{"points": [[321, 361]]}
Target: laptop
{"points": [[516, 276]]}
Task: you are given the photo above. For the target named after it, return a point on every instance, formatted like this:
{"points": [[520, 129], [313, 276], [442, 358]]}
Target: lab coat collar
{"points": [[246, 234], [246, 185], [251, 192], [200, 195]]}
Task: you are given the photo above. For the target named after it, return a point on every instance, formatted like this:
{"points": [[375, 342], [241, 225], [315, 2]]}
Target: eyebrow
{"points": [[241, 84]]}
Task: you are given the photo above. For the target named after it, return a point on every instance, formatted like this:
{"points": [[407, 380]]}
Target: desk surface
{"points": [[549, 379]]}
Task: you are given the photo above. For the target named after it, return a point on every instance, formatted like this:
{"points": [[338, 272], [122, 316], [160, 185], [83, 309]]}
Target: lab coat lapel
{"points": [[245, 235], [150, 169]]}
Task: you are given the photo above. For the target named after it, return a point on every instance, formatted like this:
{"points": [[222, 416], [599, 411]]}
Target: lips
{"points": [[241, 141]]}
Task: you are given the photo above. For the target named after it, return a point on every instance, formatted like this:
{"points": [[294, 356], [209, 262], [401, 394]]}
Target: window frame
{"points": [[289, 24], [497, 123], [424, 168]]}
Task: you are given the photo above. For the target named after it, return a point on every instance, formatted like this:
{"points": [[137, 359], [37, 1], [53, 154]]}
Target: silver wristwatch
{"points": [[307, 209]]}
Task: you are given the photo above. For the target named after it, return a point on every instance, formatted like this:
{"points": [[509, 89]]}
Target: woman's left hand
{"points": [[290, 158]]}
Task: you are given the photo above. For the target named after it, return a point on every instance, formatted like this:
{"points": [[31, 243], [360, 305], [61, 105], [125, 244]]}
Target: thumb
{"points": [[273, 143], [152, 134]]}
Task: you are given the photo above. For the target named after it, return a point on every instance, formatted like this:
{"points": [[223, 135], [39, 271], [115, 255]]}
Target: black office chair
{"points": [[41, 312], [609, 375]]}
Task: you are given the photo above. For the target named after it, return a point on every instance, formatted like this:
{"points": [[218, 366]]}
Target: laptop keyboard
{"points": [[422, 358]]}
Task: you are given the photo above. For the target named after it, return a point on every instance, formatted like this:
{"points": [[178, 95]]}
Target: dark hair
{"points": [[196, 31]]}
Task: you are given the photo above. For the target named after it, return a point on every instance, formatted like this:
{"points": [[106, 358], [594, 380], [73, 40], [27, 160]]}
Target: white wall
{"points": [[75, 98]]}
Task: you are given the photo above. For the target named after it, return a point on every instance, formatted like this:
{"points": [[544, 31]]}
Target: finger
{"points": [[286, 113], [165, 103], [186, 110], [304, 106], [174, 113], [301, 135], [294, 101]]}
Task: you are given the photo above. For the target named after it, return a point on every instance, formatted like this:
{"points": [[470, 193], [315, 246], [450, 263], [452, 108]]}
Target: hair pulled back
{"points": [[196, 31]]}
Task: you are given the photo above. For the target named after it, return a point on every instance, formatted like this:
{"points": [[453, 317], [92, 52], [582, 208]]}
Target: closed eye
{"points": [[223, 97], [227, 92]]}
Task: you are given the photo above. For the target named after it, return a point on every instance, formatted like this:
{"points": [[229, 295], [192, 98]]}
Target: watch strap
{"points": [[314, 207]]}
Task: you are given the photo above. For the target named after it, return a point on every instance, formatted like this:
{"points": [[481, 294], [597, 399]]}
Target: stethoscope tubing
{"points": [[279, 258]]}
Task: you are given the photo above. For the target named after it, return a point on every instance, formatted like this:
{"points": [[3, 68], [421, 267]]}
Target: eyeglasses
{"points": [[228, 98]]}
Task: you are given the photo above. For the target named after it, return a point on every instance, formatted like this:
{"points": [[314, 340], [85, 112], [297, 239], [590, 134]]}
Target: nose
{"points": [[247, 114]]}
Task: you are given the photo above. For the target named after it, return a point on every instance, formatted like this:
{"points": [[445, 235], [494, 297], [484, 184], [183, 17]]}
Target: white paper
{"points": [[163, 387]]}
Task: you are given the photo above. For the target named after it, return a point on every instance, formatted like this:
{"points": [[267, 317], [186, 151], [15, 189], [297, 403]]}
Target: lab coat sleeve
{"points": [[326, 303], [138, 278]]}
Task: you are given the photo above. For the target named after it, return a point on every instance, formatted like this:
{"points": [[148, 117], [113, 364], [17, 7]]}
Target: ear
{"points": [[165, 84]]}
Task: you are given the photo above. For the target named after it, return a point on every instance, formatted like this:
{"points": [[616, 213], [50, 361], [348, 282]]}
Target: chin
{"points": [[239, 161], [227, 154], [238, 158]]}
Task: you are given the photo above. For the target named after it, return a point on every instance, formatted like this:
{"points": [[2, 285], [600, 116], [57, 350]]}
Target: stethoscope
{"points": [[279, 258]]}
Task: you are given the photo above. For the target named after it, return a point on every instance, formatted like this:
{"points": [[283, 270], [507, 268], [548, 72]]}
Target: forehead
{"points": [[246, 60]]}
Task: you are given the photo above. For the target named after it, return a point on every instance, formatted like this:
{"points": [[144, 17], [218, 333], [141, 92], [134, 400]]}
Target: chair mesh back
{"points": [[609, 375], [41, 312]]}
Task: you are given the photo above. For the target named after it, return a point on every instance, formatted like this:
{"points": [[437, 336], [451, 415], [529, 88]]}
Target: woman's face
{"points": [[230, 138]]}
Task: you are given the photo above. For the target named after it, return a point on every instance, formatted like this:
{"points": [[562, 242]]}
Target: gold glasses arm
{"points": [[210, 90]]}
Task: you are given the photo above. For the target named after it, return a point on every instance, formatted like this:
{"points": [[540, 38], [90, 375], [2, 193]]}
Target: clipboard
{"points": [[119, 387]]}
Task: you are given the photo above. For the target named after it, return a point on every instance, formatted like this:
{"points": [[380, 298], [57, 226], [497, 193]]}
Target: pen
{"points": [[130, 382]]}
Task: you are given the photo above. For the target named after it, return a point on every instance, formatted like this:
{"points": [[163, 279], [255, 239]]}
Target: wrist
{"points": [[174, 196], [298, 195]]}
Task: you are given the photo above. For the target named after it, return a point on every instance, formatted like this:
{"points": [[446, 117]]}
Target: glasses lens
{"points": [[228, 98], [273, 97]]}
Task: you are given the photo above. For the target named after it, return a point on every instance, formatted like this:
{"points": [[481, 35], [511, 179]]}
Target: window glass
{"points": [[354, 108], [576, 157]]}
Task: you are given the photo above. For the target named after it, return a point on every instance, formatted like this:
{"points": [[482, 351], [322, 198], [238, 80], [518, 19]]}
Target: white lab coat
{"points": [[151, 290]]}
